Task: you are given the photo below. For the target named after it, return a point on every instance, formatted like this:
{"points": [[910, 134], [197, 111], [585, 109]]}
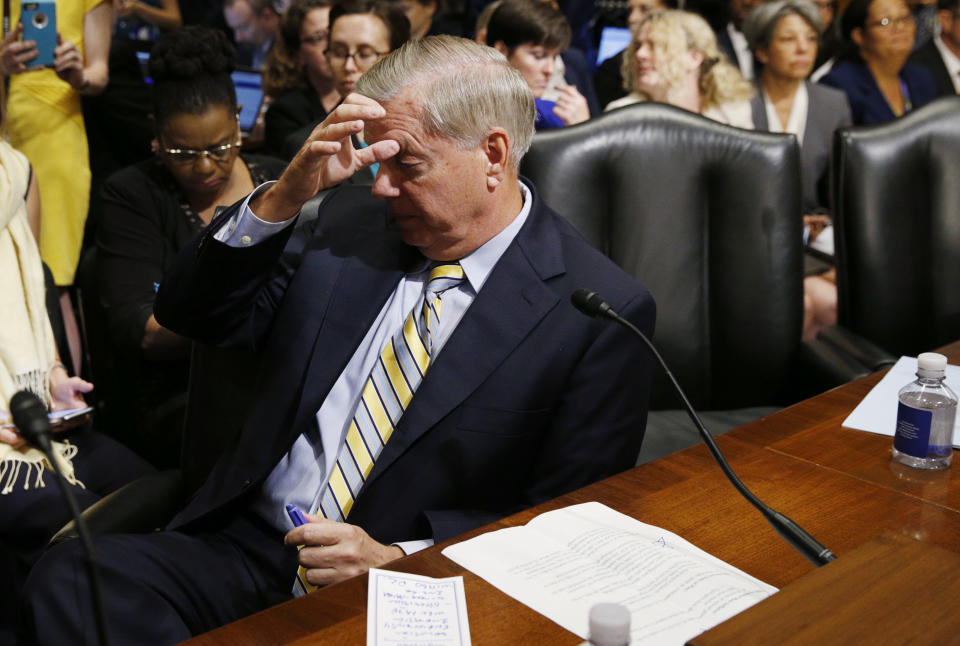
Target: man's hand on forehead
{"points": [[327, 158]]}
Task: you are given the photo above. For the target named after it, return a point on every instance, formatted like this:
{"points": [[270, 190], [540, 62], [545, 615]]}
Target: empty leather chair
{"points": [[897, 221], [708, 217]]}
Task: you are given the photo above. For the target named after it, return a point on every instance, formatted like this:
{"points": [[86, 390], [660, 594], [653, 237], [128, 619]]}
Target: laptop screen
{"points": [[246, 82], [613, 40], [249, 96]]}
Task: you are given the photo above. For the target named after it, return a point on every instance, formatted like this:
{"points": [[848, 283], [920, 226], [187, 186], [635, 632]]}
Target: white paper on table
{"points": [[411, 610], [877, 412], [563, 562]]}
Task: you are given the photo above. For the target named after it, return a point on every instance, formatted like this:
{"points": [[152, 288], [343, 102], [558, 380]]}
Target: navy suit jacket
{"points": [[528, 399], [827, 110], [866, 100], [928, 56]]}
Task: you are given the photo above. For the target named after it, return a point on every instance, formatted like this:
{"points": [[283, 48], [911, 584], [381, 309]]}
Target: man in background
{"points": [[254, 24]]}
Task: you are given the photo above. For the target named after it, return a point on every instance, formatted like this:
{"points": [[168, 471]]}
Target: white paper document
{"points": [[563, 562], [411, 610], [877, 412]]}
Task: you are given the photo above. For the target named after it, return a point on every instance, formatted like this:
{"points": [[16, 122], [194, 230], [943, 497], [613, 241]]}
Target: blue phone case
{"points": [[39, 18]]}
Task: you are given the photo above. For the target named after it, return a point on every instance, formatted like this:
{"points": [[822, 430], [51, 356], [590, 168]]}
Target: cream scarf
{"points": [[27, 349]]}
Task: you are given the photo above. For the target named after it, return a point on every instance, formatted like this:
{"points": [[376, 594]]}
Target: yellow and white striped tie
{"points": [[402, 364]]}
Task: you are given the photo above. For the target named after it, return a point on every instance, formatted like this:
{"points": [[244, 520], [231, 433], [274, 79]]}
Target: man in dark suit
{"points": [[732, 42], [941, 54], [521, 397]]}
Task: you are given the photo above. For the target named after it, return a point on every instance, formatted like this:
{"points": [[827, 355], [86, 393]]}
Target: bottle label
{"points": [[913, 430]]}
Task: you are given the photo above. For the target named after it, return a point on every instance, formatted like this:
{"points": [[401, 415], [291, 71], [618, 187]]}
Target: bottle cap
{"points": [[609, 625], [931, 364]]}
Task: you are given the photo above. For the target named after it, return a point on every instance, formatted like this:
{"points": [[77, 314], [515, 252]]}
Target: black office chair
{"points": [[897, 222], [708, 217]]}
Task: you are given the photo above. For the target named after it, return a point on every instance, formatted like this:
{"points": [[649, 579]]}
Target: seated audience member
{"points": [[361, 33], [879, 82], [784, 35], [153, 209], [732, 41], [609, 81], [673, 58], [425, 21], [497, 400], [254, 24], [31, 506], [941, 55], [298, 74], [531, 34]]}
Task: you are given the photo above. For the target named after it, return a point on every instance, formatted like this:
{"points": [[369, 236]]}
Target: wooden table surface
{"points": [[839, 484]]}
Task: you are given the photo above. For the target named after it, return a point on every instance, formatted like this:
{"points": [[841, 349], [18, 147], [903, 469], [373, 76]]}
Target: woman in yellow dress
{"points": [[44, 120]]}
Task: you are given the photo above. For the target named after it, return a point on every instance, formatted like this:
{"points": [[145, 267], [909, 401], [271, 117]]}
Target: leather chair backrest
{"points": [[897, 210], [708, 217]]}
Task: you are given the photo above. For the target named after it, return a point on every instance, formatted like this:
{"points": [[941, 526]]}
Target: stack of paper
{"points": [[563, 562]]}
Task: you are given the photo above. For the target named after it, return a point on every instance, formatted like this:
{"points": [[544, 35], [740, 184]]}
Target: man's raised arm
{"points": [[225, 293]]}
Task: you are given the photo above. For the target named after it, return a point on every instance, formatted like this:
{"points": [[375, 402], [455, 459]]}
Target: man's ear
{"points": [[496, 150], [501, 47]]}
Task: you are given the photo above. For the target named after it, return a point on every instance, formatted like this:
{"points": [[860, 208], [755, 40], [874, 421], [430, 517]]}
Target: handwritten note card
{"points": [[411, 610]]}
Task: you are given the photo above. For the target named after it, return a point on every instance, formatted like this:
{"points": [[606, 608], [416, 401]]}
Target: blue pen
{"points": [[296, 516]]}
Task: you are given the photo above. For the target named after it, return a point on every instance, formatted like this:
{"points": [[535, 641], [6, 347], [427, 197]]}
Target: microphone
{"points": [[30, 417], [593, 305]]}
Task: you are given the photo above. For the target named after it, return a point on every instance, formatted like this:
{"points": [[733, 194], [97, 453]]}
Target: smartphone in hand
{"points": [[39, 19]]}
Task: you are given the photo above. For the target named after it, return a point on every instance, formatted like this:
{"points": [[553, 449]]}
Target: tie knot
{"points": [[444, 277]]}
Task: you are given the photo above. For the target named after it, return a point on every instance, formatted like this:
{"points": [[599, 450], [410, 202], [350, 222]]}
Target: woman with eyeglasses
{"points": [[879, 83], [153, 209], [361, 33], [298, 75]]}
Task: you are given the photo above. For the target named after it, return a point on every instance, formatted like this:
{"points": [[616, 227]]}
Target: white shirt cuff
{"points": [[245, 229], [409, 547]]}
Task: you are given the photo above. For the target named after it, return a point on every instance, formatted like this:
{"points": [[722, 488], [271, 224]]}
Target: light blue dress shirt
{"points": [[301, 475]]}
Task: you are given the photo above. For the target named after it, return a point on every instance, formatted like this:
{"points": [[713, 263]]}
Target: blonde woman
{"points": [[673, 58]]}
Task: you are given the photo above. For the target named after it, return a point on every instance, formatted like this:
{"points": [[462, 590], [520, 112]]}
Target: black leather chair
{"points": [[708, 217], [897, 222]]}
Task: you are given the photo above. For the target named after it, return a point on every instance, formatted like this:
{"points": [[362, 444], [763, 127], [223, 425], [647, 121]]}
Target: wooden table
{"points": [[839, 484]]}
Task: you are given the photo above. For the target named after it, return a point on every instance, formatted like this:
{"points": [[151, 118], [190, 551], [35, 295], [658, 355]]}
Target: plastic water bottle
{"points": [[925, 416], [609, 625]]}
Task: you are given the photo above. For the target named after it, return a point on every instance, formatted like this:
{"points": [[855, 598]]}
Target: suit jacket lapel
{"points": [[511, 303], [758, 108], [357, 297]]}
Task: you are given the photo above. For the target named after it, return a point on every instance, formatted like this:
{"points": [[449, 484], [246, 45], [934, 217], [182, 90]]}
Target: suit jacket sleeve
{"points": [[225, 295]]}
